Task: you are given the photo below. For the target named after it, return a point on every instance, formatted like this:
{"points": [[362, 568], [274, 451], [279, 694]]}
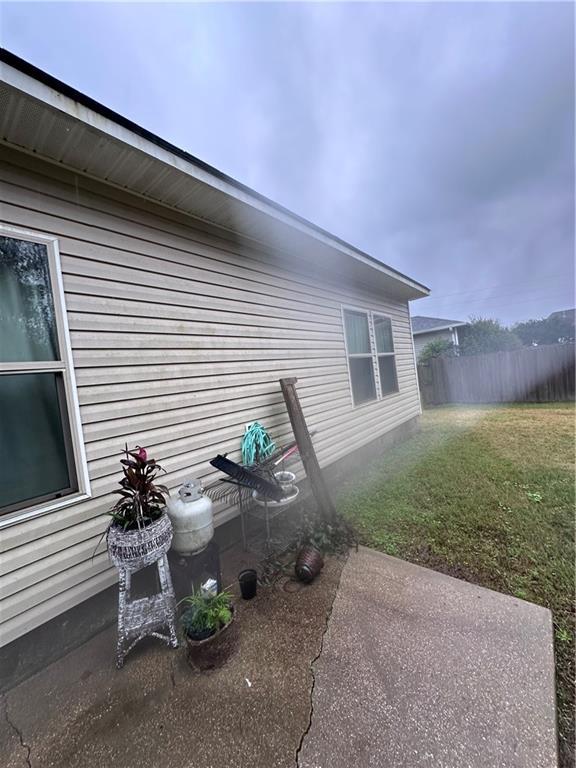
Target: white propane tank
{"points": [[192, 519]]}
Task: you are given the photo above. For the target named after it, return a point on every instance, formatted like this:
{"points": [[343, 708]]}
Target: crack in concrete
{"points": [[312, 663], [18, 732]]}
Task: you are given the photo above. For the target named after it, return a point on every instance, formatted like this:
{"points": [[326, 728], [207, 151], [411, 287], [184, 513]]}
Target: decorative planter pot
{"points": [[309, 563], [286, 480], [139, 548], [214, 650]]}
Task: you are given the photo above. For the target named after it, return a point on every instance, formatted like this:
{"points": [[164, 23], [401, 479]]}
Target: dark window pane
{"points": [[357, 335], [387, 368], [362, 377], [27, 320], [34, 440], [383, 333]]}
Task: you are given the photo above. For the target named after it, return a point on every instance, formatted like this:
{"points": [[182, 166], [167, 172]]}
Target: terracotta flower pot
{"points": [[215, 650]]}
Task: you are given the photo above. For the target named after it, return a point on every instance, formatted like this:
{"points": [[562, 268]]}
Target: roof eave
{"points": [[439, 328], [97, 119]]}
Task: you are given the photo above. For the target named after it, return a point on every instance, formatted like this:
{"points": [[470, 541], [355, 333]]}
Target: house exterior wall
{"points": [[179, 336], [423, 339]]}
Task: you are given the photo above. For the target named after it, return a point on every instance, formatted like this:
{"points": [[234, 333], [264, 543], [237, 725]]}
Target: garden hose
{"points": [[256, 444]]}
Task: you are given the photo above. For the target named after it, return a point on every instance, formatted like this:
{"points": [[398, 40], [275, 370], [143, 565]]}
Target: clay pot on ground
{"points": [[211, 652], [309, 563]]}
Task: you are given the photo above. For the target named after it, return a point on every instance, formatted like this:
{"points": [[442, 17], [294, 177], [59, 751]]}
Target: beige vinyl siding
{"points": [[179, 337]]}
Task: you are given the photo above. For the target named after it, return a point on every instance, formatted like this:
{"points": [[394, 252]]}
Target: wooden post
{"points": [[307, 453]]}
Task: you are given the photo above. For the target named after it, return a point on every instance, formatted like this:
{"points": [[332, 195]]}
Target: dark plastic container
{"points": [[248, 583]]}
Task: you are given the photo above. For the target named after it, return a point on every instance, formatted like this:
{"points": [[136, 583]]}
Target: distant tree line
{"points": [[488, 335], [558, 328]]}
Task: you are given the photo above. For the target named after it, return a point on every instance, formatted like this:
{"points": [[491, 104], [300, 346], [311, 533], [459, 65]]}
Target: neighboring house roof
{"points": [[422, 324], [60, 124], [564, 314]]}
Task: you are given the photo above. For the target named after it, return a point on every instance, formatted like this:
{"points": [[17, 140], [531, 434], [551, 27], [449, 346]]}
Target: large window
{"points": [[360, 357], [370, 351], [41, 454]]}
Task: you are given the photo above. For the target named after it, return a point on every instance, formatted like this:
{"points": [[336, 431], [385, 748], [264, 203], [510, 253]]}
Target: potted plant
{"points": [[140, 530], [208, 627]]}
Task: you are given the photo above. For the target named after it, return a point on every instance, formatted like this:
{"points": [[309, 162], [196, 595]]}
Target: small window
{"points": [[40, 449], [385, 354], [370, 351], [360, 358]]}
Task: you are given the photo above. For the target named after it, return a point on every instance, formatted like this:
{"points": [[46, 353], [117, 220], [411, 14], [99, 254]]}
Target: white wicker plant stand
{"points": [[130, 552]]}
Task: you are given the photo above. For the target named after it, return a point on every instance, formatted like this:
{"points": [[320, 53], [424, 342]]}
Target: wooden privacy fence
{"points": [[527, 375]]}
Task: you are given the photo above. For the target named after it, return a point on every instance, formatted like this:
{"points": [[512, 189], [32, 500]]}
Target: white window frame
{"points": [[378, 355], [65, 367], [374, 354]]}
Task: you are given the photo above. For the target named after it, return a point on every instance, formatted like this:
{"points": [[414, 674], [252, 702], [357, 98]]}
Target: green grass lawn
{"points": [[485, 494]]}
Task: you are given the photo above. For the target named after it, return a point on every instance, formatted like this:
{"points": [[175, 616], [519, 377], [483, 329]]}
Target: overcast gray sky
{"points": [[437, 137]]}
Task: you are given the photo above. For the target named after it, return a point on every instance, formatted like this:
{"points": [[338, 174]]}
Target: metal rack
{"points": [[252, 503], [263, 509]]}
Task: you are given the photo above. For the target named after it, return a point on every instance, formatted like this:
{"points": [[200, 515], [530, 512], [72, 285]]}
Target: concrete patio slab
{"points": [[82, 712], [377, 664], [420, 669]]}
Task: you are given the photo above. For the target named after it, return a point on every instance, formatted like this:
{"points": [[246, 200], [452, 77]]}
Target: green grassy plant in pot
{"points": [[140, 530], [209, 629]]}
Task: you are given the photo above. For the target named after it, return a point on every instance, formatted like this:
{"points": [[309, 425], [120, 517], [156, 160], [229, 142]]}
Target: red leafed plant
{"points": [[142, 501]]}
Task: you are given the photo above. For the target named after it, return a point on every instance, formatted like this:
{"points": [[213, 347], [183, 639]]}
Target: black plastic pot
{"points": [[248, 583], [202, 635]]}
